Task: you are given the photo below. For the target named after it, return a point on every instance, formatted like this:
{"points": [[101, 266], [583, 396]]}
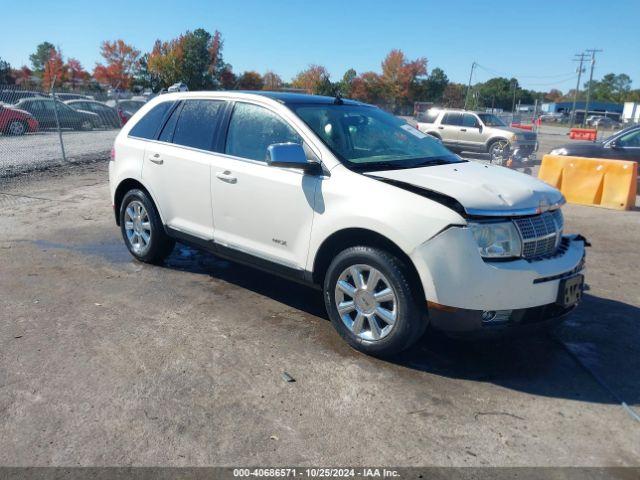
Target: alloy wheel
{"points": [[499, 152], [137, 226], [16, 128], [366, 302]]}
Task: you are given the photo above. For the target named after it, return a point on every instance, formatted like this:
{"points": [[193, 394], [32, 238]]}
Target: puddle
{"points": [[114, 252]]}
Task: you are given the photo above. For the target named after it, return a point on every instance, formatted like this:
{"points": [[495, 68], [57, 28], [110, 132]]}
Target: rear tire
{"points": [[17, 128], [380, 319], [142, 228]]}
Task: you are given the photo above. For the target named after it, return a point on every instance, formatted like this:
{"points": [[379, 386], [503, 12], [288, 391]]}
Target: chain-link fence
{"points": [[41, 128]]}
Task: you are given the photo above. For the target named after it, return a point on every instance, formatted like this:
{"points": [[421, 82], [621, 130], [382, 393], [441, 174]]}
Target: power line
{"points": [[579, 58], [593, 52], [497, 72]]}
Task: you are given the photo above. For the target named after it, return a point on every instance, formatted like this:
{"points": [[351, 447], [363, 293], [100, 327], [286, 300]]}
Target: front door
{"points": [[260, 210], [470, 136]]}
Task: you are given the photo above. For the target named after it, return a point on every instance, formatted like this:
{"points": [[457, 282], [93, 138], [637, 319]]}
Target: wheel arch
{"points": [[121, 190], [351, 237], [493, 140]]}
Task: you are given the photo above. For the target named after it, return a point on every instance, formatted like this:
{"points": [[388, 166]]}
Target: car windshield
{"points": [[491, 120], [366, 138]]}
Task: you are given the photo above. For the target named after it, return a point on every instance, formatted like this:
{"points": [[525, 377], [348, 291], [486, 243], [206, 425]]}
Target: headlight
{"points": [[559, 151], [497, 240], [518, 137]]}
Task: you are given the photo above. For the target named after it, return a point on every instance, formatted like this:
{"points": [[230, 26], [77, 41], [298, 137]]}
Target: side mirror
{"points": [[289, 155]]}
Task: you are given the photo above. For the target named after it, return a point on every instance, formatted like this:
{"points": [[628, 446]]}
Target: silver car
{"points": [[461, 130]]}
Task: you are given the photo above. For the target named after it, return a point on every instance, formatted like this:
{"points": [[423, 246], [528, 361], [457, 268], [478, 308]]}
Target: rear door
{"points": [[449, 128], [178, 166]]}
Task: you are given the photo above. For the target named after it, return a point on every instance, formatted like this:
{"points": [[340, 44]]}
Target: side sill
{"points": [[303, 277]]}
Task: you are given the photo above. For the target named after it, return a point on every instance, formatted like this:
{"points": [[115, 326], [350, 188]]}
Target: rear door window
{"points": [[198, 123], [148, 125], [452, 118]]}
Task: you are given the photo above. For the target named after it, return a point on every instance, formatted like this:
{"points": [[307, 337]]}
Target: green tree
{"points": [[453, 95], [497, 92], [344, 86], [6, 75], [431, 89], [612, 88], [41, 56], [196, 60]]}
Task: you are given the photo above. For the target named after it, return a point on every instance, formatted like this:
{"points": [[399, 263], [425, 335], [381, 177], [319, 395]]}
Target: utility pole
{"points": [[466, 98], [579, 58], [513, 105], [593, 62]]}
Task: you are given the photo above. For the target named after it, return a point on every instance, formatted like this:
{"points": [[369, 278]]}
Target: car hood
{"points": [[485, 190]]}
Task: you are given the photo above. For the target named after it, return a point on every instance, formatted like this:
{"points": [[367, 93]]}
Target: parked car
{"points": [[14, 121], [126, 108], [479, 132], [397, 231], [44, 110], [73, 96], [178, 87], [553, 117], [109, 117], [14, 96], [605, 122], [623, 145]]}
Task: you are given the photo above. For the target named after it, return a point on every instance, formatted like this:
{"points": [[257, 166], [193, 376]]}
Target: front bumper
{"points": [[459, 285]]}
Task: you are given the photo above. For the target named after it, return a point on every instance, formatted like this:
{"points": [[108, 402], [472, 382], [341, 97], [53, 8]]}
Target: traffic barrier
{"points": [[521, 126], [583, 134], [592, 181]]}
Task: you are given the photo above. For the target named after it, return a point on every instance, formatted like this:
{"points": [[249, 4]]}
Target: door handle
{"points": [[463, 129], [441, 128], [155, 158], [226, 176]]}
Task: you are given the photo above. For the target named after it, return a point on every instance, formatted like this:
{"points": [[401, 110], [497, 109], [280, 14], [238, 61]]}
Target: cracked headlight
{"points": [[497, 239]]}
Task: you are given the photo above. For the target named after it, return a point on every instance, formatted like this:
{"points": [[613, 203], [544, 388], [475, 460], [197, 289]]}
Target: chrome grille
{"points": [[540, 234]]}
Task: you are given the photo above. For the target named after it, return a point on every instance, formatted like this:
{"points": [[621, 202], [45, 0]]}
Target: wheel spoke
{"points": [[358, 324], [373, 280], [347, 288], [146, 226], [130, 213], [346, 307], [385, 295], [128, 225], [387, 316], [145, 237], [375, 328], [356, 274]]}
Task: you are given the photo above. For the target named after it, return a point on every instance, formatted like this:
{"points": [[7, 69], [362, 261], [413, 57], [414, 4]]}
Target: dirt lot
{"points": [[106, 361]]}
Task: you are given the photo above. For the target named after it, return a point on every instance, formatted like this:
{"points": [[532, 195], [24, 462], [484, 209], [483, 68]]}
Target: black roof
{"points": [[289, 98]]}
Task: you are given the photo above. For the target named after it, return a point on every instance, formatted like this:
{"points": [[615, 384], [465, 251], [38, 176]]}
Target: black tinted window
{"points": [[149, 124], [452, 119], [197, 123], [252, 129]]}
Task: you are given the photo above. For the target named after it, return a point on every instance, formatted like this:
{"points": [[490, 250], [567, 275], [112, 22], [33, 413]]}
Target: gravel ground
{"points": [[42, 150], [107, 361]]}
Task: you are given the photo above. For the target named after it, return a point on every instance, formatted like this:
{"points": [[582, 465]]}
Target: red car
{"points": [[16, 122]]}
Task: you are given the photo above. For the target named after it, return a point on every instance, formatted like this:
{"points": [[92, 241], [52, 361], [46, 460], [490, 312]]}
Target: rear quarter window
{"points": [[197, 124], [148, 126]]}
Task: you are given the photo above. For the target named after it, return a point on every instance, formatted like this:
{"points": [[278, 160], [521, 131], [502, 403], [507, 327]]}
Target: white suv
{"points": [[396, 230]]}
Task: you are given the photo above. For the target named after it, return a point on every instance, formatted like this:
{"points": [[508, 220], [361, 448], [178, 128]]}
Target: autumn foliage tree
{"points": [[311, 79], [272, 81], [194, 58], [54, 72], [120, 62], [250, 81], [76, 75]]}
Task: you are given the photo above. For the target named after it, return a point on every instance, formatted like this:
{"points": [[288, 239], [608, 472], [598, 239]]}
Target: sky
{"points": [[535, 41]]}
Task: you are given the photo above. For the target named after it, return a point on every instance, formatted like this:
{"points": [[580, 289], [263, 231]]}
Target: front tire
{"points": [[372, 303], [499, 151], [142, 228]]}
